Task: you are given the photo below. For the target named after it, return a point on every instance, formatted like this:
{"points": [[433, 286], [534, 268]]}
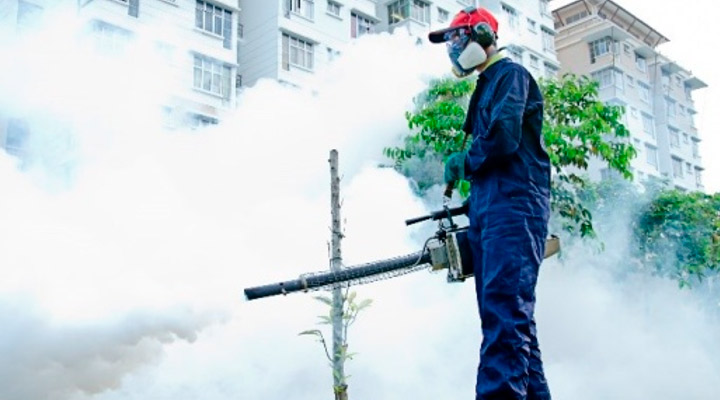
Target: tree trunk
{"points": [[338, 342]]}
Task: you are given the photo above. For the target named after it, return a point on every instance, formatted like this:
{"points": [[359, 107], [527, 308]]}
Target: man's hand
{"points": [[455, 167]]}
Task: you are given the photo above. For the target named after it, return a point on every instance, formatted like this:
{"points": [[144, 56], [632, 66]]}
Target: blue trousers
{"points": [[508, 244]]}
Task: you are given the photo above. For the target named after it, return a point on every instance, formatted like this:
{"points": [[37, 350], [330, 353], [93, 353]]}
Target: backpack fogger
{"points": [[448, 249]]}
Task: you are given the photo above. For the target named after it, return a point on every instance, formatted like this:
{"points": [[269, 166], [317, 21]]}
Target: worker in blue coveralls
{"points": [[508, 205]]}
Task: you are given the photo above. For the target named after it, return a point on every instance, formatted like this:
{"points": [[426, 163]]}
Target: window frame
{"points": [[333, 5], [651, 150], [297, 53], [648, 124], [677, 167], [210, 14], [512, 15], [355, 24], [216, 73], [302, 8]]}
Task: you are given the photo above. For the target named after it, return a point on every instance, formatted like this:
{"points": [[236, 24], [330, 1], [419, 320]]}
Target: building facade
{"points": [[198, 39], [214, 48], [195, 39], [600, 39], [289, 39]]}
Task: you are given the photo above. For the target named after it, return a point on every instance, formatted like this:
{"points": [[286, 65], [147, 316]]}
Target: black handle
{"points": [[436, 215]]}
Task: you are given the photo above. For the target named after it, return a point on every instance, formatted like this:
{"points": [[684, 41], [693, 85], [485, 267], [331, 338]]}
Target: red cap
{"points": [[470, 16]]}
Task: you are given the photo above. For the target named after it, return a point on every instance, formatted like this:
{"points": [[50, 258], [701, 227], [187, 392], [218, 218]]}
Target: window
{"points": [[443, 15], [297, 53], [686, 138], [678, 81], [640, 62], [677, 167], [360, 25], [511, 16], [333, 8], [698, 178], [211, 76], [626, 49], [619, 80], [633, 112], [651, 155], [303, 8], [665, 80], [134, 8], [688, 93], [515, 54], [674, 138], [604, 77], [532, 26], [695, 149], [215, 20], [630, 81], [548, 40], [400, 10], [682, 110], [534, 62], [201, 121], [550, 71], [110, 38], [609, 77], [648, 125], [332, 54], [240, 31], [644, 91], [601, 47], [671, 112], [688, 168], [420, 11], [544, 7], [576, 17]]}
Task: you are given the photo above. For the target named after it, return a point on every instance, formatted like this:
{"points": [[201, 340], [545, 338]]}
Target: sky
{"points": [[692, 28], [124, 247]]}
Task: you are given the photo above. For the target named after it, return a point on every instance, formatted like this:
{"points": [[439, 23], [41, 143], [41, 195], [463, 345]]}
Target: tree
{"points": [[577, 127], [343, 307], [350, 310], [679, 233]]}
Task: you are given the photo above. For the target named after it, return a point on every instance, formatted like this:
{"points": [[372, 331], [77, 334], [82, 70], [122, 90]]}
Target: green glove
{"points": [[455, 167]]}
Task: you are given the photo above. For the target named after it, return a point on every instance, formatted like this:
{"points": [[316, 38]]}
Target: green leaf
{"points": [[324, 299]]}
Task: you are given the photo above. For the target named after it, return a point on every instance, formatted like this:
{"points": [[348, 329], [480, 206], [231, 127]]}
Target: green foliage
{"points": [[679, 233], [577, 127], [350, 309]]}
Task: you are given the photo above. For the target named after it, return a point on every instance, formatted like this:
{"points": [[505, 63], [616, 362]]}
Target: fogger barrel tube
{"points": [[316, 281]]}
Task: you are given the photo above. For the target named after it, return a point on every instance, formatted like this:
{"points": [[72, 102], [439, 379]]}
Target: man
{"points": [[508, 206]]}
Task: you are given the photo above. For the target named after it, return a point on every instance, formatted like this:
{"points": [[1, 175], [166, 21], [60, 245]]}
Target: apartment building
{"points": [[197, 40], [601, 39], [289, 40]]}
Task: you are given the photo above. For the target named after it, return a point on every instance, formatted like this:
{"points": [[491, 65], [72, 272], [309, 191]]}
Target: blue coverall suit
{"points": [[509, 210]]}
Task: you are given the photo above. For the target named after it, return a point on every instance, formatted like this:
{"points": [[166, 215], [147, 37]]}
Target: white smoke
{"points": [[114, 278]]}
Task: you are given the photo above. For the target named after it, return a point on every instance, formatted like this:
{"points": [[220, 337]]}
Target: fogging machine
{"points": [[448, 249]]}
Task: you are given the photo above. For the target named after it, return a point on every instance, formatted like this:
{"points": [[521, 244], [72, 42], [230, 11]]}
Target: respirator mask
{"points": [[466, 47]]}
